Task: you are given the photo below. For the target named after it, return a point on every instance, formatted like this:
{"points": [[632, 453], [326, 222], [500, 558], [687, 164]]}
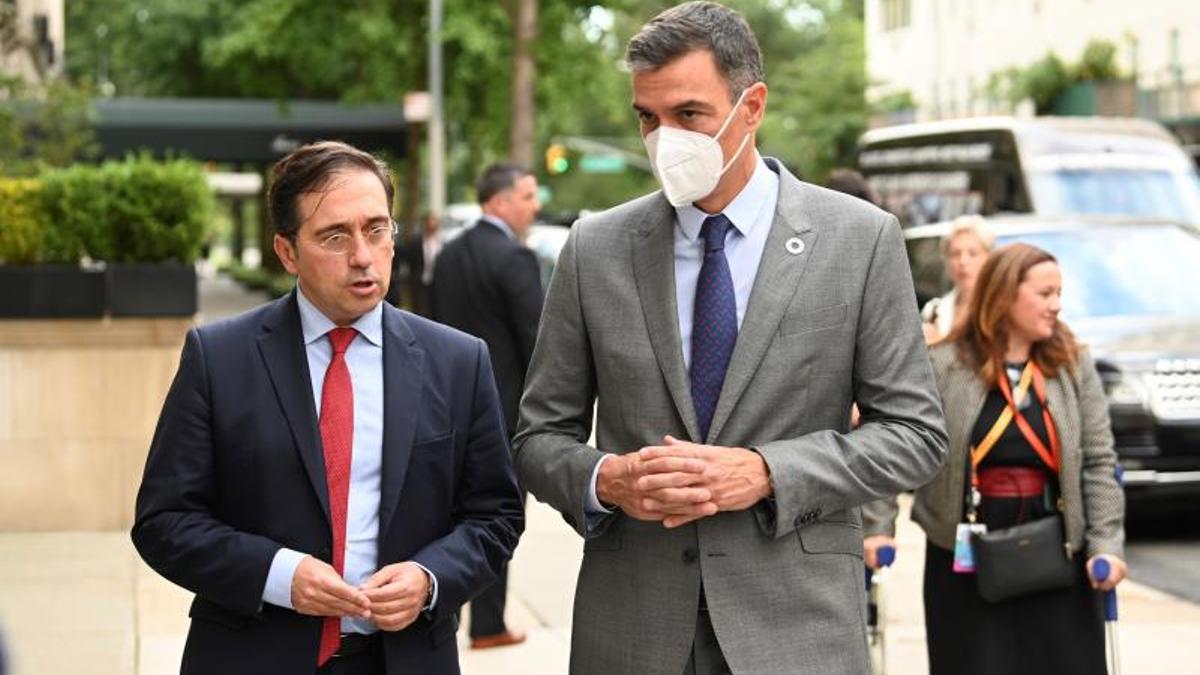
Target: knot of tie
{"points": [[713, 231], [341, 338]]}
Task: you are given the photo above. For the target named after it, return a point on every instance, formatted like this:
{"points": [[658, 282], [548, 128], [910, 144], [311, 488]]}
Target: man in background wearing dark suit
{"points": [[330, 476], [487, 283]]}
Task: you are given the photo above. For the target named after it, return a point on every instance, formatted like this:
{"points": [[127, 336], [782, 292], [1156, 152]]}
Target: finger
{"points": [[378, 579], [676, 521], [391, 607], [396, 622], [327, 604], [673, 498], [675, 479], [392, 591], [676, 509], [656, 451]]}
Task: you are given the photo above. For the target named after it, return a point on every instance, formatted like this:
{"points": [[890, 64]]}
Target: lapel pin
{"points": [[795, 245]]}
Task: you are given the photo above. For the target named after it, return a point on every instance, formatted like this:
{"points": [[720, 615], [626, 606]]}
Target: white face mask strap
{"points": [[729, 119], [745, 139]]}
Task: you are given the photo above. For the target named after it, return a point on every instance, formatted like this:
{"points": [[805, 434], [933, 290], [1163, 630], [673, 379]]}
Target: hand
{"points": [[318, 590], [397, 593], [1117, 572], [735, 478], [871, 546], [618, 484]]}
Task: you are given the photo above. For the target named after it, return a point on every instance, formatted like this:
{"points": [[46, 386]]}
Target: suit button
{"points": [[690, 555]]}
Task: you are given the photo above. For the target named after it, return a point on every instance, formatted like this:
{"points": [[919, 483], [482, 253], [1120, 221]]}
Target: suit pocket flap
{"points": [[436, 445], [817, 319], [203, 610], [827, 537]]}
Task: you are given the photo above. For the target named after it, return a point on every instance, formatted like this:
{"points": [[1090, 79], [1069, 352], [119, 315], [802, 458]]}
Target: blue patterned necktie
{"points": [[714, 323]]}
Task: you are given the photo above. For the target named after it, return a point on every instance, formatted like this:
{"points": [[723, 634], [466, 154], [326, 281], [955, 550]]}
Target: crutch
{"points": [[886, 555], [1100, 571]]}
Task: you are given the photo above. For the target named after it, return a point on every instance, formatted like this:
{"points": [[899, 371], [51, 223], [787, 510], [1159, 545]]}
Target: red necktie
{"points": [[337, 439]]}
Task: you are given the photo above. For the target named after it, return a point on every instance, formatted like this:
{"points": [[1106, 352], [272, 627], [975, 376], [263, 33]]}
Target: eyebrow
{"points": [[689, 104], [377, 220]]}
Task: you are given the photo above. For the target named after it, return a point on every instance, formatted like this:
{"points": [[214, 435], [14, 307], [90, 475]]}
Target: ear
{"points": [[755, 103], [287, 253]]}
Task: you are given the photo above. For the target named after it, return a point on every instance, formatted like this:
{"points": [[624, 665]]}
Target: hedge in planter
{"points": [[39, 277], [147, 220]]}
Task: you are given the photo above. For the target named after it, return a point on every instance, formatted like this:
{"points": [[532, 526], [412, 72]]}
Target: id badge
{"points": [[964, 558]]}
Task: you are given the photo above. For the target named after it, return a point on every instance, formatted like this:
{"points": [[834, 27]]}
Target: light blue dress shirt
{"points": [[364, 358], [503, 226], [751, 212]]}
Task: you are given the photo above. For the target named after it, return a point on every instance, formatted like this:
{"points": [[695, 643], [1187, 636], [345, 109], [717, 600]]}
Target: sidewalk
{"points": [[83, 603]]}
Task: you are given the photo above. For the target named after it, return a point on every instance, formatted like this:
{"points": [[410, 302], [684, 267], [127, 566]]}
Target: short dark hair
{"points": [[699, 25], [310, 169], [852, 183], [497, 178]]}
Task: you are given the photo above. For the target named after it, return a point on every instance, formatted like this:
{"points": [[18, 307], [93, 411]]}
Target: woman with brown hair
{"points": [[1030, 440]]}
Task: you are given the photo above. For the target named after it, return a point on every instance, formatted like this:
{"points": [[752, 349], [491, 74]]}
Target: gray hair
{"points": [[497, 178], [699, 25]]}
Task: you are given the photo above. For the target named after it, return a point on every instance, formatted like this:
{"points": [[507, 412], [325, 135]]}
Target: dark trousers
{"points": [[706, 658]]}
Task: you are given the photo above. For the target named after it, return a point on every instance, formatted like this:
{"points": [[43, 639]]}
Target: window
{"points": [[896, 14]]}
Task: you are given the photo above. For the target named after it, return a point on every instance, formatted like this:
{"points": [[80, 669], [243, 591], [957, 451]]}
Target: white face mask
{"points": [[688, 164]]}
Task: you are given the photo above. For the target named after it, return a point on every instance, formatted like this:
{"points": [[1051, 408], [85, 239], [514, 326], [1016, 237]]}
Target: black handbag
{"points": [[1022, 559]]}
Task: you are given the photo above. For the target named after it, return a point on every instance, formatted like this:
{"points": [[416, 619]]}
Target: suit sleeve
{"points": [[522, 284], [553, 459], [1103, 498], [176, 529], [901, 440], [489, 515]]}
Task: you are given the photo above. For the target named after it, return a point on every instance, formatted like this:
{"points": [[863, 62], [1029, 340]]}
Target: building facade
{"points": [[31, 38], [944, 52]]}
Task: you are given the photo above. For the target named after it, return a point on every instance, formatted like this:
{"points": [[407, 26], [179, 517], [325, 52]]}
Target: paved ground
{"points": [[83, 603]]}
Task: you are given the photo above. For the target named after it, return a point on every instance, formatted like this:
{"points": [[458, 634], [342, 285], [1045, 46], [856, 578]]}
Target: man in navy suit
{"points": [[330, 476]]}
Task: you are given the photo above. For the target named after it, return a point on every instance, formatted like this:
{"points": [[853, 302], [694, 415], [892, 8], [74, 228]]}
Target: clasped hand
{"points": [[679, 482], [392, 598]]}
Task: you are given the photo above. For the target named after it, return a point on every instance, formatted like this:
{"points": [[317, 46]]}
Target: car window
{"points": [[1147, 270]]}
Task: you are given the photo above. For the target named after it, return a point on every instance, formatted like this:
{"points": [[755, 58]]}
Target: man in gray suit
{"points": [[721, 329]]}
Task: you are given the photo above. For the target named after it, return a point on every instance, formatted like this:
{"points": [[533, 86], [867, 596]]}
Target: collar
{"points": [[498, 223], [743, 211], [315, 325]]}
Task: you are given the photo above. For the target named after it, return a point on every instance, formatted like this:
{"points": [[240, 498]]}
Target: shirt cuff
{"points": [[433, 595], [278, 590], [592, 505]]}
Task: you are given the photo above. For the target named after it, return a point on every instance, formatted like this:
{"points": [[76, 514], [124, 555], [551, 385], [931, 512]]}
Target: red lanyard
{"points": [[1052, 457]]}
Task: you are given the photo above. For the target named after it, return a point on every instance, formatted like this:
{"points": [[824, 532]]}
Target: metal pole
{"points": [[437, 129]]}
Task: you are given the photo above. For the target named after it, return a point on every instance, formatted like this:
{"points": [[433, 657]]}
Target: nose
{"points": [[361, 254]]}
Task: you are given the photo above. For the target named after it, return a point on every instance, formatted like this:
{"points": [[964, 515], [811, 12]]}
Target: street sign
{"points": [[602, 164]]}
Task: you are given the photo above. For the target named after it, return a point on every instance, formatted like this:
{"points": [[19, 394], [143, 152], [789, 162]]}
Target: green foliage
{"points": [[259, 279], [135, 210], [1098, 63], [41, 126], [21, 226], [1044, 80]]}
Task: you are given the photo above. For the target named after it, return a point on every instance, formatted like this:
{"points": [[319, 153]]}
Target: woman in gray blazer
{"points": [[1050, 452]]}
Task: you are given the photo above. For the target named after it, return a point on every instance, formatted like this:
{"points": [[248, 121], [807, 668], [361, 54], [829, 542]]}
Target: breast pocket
{"points": [[809, 321]]}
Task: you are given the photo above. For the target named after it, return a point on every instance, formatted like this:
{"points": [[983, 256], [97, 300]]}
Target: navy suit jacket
{"points": [[235, 471]]}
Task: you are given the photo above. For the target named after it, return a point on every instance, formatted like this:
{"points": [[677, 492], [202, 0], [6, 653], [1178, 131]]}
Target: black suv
{"points": [[1131, 292]]}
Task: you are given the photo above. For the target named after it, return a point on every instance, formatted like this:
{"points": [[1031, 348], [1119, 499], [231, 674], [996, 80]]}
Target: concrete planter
{"points": [[51, 292], [152, 289]]}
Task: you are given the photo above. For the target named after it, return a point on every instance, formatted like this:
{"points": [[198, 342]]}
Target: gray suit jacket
{"points": [[831, 325], [1094, 503]]}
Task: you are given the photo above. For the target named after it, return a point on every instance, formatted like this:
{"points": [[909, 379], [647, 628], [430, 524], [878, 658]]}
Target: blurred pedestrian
{"points": [[330, 475], [717, 331], [488, 284], [964, 250], [852, 183], [421, 251], [1029, 440]]}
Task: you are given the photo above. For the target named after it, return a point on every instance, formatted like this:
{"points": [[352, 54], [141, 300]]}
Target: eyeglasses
{"points": [[379, 236]]}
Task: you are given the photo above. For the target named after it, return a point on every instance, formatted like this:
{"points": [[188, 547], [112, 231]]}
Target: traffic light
{"points": [[556, 159]]}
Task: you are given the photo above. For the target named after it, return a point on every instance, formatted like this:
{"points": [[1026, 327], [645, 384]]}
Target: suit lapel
{"points": [[776, 282], [403, 378], [654, 273], [281, 345]]}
